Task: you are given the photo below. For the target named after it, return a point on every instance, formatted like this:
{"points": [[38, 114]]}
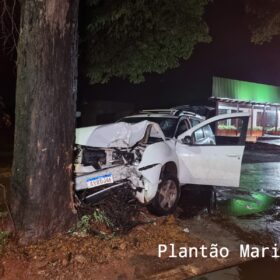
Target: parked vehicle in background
{"points": [[156, 152]]}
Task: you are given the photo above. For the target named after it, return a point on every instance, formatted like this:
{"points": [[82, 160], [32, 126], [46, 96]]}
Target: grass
{"points": [[87, 223], [101, 218], [3, 239]]}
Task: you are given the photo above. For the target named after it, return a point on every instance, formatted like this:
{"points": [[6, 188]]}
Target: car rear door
{"points": [[213, 159]]}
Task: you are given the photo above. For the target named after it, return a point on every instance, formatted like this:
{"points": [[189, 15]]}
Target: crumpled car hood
{"points": [[121, 134]]}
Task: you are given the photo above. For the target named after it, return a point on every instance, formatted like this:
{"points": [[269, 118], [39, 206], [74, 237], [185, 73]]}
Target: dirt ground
{"points": [[132, 254], [128, 256], [120, 256]]}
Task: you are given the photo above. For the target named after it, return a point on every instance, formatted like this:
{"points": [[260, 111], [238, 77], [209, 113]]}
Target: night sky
{"points": [[7, 79], [230, 55]]}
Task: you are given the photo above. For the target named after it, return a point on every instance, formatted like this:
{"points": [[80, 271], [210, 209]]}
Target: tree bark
{"points": [[41, 188]]}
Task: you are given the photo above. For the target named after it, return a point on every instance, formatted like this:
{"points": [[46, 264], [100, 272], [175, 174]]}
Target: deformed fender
{"points": [[150, 178], [154, 158]]}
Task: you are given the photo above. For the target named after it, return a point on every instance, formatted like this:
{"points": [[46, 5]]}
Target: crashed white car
{"points": [[155, 154]]}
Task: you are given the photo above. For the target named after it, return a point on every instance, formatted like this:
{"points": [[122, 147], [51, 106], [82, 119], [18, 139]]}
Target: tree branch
{"points": [[8, 26]]}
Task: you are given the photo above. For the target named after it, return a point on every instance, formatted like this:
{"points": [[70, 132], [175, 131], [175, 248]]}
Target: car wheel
{"points": [[167, 197]]}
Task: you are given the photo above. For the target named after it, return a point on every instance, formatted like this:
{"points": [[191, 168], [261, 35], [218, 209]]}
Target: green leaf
{"points": [[127, 39]]}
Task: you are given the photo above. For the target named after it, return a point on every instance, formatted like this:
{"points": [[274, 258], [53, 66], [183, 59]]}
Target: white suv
{"points": [[156, 152]]}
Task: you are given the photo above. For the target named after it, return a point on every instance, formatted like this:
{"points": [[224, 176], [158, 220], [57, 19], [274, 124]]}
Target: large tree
{"points": [[126, 38], [123, 39], [41, 189], [264, 19]]}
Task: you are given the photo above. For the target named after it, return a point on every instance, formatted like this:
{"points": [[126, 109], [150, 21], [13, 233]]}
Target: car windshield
{"points": [[167, 125]]}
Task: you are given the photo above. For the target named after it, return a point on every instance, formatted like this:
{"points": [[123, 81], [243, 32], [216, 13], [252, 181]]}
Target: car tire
{"points": [[167, 197]]}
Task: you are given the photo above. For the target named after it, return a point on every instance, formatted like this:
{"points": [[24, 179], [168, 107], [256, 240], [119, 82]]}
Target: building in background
{"points": [[260, 100]]}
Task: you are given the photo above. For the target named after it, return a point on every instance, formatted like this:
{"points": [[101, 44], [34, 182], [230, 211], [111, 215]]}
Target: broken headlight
{"points": [[122, 156], [93, 157]]}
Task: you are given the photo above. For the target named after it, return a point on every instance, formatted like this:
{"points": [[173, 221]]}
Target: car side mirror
{"points": [[187, 140]]}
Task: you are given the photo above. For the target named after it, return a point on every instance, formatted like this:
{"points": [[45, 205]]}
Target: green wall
{"points": [[245, 91]]}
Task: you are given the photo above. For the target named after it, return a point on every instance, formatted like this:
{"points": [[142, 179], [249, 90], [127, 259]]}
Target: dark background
{"points": [[230, 55]]}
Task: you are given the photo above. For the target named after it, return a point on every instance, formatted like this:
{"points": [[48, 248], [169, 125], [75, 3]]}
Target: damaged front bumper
{"points": [[98, 184]]}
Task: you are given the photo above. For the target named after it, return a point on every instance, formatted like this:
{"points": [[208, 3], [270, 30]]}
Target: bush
{"points": [[226, 127]]}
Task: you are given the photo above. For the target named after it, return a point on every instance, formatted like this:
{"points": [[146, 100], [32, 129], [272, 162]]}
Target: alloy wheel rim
{"points": [[167, 194]]}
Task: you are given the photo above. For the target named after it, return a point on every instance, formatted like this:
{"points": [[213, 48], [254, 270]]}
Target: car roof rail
{"points": [[184, 113], [158, 111], [172, 111], [199, 110]]}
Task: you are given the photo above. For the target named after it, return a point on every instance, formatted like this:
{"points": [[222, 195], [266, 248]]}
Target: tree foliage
{"points": [[127, 38], [265, 19]]}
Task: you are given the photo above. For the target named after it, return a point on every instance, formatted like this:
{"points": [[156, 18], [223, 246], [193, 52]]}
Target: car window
{"points": [[208, 131], [230, 131], [198, 135], [167, 125], [182, 127], [194, 122]]}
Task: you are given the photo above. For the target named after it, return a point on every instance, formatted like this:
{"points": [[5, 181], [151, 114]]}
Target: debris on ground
{"points": [[118, 239], [116, 214], [186, 230]]}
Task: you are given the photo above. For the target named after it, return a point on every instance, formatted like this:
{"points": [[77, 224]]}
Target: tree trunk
{"points": [[41, 190]]}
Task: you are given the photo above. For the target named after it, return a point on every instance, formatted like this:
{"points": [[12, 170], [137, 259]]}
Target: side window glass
{"points": [[198, 135], [194, 122], [230, 131], [208, 131], [182, 127]]}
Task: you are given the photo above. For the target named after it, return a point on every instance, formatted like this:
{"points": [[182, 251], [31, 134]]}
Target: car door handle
{"points": [[233, 155]]}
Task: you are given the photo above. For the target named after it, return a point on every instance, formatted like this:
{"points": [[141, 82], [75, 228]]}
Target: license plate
{"points": [[100, 180]]}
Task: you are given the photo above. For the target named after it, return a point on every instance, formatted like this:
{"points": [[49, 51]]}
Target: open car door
{"points": [[211, 152]]}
